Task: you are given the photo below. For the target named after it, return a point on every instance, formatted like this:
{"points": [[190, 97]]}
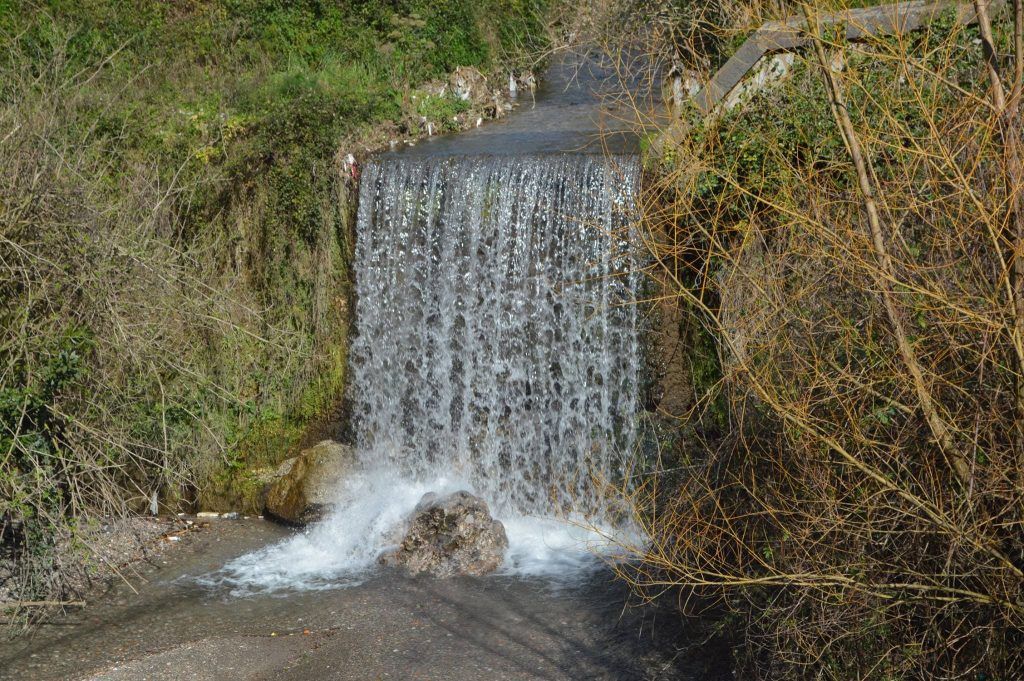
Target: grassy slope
{"points": [[174, 227]]}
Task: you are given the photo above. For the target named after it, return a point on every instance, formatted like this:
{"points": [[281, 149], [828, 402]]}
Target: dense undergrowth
{"points": [[852, 238], [175, 219]]}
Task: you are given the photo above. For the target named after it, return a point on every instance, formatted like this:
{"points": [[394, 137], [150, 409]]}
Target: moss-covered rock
{"points": [[303, 488]]}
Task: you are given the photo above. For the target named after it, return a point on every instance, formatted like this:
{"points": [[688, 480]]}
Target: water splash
{"points": [[342, 550]]}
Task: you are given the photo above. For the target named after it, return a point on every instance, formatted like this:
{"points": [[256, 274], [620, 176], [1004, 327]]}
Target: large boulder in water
{"points": [[451, 535], [303, 489]]}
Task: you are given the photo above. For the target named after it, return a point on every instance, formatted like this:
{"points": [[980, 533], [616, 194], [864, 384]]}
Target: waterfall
{"points": [[496, 351], [497, 335]]}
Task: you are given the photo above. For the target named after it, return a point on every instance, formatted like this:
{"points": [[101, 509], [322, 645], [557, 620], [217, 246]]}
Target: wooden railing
{"points": [[899, 17]]}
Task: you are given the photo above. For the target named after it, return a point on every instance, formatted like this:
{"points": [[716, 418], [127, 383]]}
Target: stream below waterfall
{"points": [[171, 628]]}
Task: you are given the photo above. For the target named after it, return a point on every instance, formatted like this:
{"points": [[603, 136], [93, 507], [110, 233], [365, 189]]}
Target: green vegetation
{"points": [[175, 232]]}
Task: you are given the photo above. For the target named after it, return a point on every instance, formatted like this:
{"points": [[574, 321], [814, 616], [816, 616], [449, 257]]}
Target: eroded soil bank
{"points": [[390, 627]]}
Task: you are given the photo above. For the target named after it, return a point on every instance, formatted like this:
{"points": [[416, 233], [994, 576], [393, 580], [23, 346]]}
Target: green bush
{"points": [[175, 234]]}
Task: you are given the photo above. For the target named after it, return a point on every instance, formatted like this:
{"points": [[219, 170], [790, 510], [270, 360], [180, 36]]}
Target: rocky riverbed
{"points": [[165, 625]]}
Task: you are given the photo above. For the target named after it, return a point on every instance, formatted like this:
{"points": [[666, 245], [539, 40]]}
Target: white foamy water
{"points": [[497, 352], [343, 549]]}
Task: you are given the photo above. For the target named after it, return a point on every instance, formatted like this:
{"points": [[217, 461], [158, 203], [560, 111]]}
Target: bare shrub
{"points": [[851, 239]]}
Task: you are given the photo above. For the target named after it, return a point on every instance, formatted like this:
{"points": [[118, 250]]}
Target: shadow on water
{"points": [[391, 626]]}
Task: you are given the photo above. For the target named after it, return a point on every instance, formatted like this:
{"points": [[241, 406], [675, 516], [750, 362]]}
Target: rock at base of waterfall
{"points": [[303, 488], [451, 535]]}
